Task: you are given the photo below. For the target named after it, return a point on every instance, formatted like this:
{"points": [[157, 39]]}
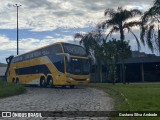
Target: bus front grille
{"points": [[80, 79]]}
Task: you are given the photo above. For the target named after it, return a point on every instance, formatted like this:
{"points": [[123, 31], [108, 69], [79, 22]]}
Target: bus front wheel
{"points": [[13, 80]]}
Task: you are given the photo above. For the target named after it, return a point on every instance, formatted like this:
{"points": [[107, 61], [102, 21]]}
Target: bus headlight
{"points": [[69, 78], [68, 75], [88, 79]]}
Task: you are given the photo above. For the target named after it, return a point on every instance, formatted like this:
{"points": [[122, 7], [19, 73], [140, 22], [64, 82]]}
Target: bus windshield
{"points": [[78, 66], [74, 49]]}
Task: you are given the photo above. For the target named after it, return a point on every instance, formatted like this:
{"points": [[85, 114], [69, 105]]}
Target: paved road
{"points": [[56, 99]]}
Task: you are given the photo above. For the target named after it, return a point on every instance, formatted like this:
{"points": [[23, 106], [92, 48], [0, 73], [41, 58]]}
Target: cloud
{"points": [[49, 37], [6, 43], [39, 16], [47, 15], [30, 43], [9, 47]]}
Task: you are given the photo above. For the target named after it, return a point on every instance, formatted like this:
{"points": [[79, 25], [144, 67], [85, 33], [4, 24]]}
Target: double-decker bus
{"points": [[56, 64]]}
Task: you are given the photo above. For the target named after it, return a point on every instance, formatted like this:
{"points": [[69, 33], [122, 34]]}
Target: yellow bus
{"points": [[61, 64]]}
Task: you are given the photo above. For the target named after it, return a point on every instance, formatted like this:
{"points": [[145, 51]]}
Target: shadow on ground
{"points": [[56, 87]]}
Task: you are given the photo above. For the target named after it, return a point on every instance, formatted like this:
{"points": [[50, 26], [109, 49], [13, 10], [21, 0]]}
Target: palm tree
{"points": [[150, 28], [118, 22], [87, 40], [92, 43], [155, 9]]}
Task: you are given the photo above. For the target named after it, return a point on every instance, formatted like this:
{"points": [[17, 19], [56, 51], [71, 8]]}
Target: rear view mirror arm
{"points": [[65, 54]]}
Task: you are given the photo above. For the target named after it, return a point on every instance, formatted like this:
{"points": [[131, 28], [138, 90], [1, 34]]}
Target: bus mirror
{"points": [[68, 57], [92, 59], [65, 54]]}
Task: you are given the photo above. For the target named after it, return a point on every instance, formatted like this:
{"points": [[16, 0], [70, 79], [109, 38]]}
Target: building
{"points": [[137, 54], [2, 72], [141, 67]]}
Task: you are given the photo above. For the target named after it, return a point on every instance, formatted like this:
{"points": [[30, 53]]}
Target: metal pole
{"points": [[142, 72], [16, 5], [17, 30]]}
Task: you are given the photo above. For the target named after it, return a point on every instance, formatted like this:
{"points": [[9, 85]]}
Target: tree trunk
{"points": [[100, 74], [122, 39], [121, 33], [123, 66], [99, 69], [96, 73], [159, 41], [123, 72], [121, 75]]}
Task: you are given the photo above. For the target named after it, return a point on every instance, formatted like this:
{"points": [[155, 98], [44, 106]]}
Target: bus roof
{"points": [[45, 47]]}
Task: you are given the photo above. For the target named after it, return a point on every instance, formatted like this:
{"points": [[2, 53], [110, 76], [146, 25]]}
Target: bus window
{"points": [[58, 62]]}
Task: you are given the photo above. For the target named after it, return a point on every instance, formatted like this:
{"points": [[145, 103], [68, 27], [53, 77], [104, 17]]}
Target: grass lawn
{"points": [[133, 97], [9, 89]]}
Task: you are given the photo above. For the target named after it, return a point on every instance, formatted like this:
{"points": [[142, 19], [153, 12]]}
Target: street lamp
{"points": [[16, 5]]}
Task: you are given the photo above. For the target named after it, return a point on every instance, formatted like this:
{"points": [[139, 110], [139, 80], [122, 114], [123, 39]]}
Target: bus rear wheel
{"points": [[50, 82], [42, 82]]}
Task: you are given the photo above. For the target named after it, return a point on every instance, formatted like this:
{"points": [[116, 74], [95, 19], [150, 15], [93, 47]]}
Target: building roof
{"points": [[141, 54], [142, 60]]}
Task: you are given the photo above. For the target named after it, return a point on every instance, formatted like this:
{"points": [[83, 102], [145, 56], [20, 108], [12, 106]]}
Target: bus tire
{"points": [[72, 86], [42, 82], [17, 80], [13, 80], [50, 81], [63, 86]]}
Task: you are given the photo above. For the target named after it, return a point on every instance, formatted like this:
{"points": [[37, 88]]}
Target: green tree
{"points": [[113, 51], [150, 29], [118, 22]]}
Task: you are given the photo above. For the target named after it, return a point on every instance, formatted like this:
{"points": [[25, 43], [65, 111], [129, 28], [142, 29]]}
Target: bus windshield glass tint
{"points": [[78, 66]]}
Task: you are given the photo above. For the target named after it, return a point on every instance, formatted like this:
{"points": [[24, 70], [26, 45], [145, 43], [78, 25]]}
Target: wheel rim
{"points": [[50, 82], [43, 82]]}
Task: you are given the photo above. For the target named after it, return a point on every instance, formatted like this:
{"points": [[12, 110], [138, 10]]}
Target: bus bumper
{"points": [[71, 81]]}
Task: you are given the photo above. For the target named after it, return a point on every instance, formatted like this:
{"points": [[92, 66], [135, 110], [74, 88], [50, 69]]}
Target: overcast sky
{"points": [[43, 22]]}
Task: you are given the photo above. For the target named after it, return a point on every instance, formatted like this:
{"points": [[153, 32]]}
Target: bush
{"points": [[9, 89]]}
